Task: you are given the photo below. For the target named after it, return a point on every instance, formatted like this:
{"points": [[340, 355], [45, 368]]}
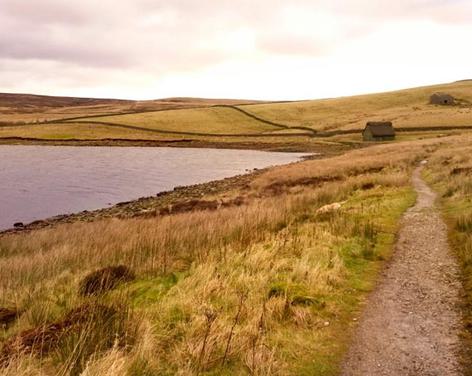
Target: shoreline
{"points": [[178, 200], [288, 147]]}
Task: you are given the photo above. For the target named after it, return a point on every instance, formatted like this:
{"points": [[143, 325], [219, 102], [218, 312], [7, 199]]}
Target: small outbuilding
{"points": [[442, 99], [379, 131]]}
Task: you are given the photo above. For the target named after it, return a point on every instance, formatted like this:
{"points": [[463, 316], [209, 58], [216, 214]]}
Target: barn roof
{"points": [[381, 128], [438, 94]]}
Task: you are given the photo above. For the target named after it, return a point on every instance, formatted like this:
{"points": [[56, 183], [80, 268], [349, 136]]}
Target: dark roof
{"points": [[444, 95], [381, 128]]}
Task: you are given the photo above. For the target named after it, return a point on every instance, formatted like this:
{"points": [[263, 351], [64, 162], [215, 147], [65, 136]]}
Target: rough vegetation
{"points": [[82, 332], [7, 316], [104, 279], [264, 274], [265, 286], [24, 108], [406, 109], [450, 172]]}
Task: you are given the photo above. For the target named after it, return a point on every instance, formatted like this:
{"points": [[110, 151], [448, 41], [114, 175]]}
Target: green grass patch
{"points": [[149, 291]]}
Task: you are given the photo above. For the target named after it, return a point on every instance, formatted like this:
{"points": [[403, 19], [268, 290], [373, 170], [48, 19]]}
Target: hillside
{"points": [[269, 282], [27, 108], [406, 108], [233, 123], [268, 273], [266, 254]]}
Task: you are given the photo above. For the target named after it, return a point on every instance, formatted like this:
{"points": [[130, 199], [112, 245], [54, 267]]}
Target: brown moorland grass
{"points": [[82, 133], [20, 108], [406, 108], [450, 172], [213, 120], [209, 121], [7, 316], [270, 286], [65, 131], [104, 279]]}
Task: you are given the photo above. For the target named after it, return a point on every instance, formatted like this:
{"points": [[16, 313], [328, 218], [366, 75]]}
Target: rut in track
{"points": [[412, 320]]}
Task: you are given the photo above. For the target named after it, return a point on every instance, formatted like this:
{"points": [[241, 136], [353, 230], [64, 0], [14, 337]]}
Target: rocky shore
{"points": [[161, 203], [204, 196], [244, 144]]}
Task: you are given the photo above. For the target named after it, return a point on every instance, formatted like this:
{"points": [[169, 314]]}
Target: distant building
{"points": [[442, 99], [379, 131]]}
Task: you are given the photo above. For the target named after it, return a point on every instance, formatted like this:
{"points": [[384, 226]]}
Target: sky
{"points": [[252, 49]]}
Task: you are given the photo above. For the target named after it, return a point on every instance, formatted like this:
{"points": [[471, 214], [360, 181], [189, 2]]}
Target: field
{"points": [[223, 123], [66, 131], [74, 133], [215, 120], [266, 274], [406, 108], [267, 284], [25, 108]]}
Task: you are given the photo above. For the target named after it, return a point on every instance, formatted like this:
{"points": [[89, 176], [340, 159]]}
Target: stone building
{"points": [[378, 131], [442, 99]]}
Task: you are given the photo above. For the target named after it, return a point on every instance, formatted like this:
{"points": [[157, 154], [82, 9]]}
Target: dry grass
{"points": [[406, 108], [198, 120], [268, 287], [450, 171], [214, 120], [67, 131], [18, 108]]}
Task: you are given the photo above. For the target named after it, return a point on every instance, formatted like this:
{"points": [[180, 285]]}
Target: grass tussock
{"points": [[7, 316], [269, 286], [104, 279]]}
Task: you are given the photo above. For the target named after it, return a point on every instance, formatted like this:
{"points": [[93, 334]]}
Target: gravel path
{"points": [[411, 323]]}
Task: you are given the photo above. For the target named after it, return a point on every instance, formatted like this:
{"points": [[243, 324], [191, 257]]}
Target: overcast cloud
{"points": [[253, 49]]}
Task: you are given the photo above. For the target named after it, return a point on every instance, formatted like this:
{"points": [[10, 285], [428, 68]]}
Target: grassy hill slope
{"points": [[16, 108], [406, 108], [214, 120], [264, 284], [219, 122]]}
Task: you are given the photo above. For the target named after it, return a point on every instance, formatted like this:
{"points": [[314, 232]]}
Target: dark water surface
{"points": [[37, 182]]}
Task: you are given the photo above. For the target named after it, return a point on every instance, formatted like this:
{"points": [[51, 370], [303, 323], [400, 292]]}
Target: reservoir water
{"points": [[37, 182]]}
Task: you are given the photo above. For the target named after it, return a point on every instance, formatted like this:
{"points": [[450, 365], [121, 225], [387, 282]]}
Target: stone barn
{"points": [[379, 131], [442, 99]]}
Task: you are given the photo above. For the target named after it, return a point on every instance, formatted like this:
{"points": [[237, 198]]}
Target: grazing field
{"points": [[19, 108], [406, 108], [268, 283], [207, 119], [65, 131], [25, 108], [82, 133], [214, 120]]}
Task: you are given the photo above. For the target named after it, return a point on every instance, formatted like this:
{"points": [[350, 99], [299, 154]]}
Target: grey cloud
{"points": [[45, 12], [66, 48], [120, 40], [156, 38]]}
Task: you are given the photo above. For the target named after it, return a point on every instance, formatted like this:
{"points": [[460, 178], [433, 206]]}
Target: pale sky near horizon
{"points": [[258, 49]]}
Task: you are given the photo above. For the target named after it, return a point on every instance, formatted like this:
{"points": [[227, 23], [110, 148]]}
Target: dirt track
{"points": [[411, 322]]}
